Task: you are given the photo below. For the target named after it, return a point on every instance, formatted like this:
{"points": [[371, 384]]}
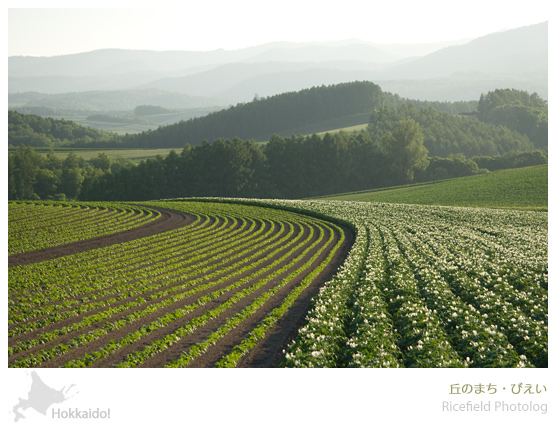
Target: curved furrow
{"points": [[150, 286], [167, 220], [205, 284], [230, 269]]}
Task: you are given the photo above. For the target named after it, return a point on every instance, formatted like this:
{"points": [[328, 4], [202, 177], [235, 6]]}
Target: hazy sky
{"points": [[233, 24]]}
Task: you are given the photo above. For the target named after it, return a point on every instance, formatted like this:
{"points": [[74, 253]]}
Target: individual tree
{"points": [[46, 184], [72, 176], [22, 173], [101, 161], [404, 151]]}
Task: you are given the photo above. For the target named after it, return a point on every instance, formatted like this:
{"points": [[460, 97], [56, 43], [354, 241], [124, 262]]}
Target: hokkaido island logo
{"points": [[41, 397]]}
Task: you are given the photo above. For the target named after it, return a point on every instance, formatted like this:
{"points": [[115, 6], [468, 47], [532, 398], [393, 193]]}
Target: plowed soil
{"points": [[268, 352], [167, 221]]}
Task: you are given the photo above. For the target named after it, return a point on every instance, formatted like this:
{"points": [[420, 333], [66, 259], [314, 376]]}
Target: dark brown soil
{"points": [[168, 220], [268, 352]]}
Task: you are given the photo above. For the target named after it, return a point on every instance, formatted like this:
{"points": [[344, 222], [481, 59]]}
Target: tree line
{"points": [[32, 130], [446, 134], [517, 110], [293, 167]]}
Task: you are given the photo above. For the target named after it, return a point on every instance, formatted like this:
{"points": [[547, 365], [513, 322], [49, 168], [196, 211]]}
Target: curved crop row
{"points": [[430, 287], [41, 224], [420, 287], [132, 303]]}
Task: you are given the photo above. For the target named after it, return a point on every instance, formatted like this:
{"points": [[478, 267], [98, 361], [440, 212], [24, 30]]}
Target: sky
{"points": [[204, 25]]}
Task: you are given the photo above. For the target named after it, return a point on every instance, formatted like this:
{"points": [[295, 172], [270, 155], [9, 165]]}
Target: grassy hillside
{"points": [[525, 188]]}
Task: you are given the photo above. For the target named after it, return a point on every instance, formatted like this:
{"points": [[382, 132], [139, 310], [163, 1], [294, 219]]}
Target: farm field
{"points": [[431, 287], [411, 286], [135, 155], [199, 295], [40, 224], [525, 188]]}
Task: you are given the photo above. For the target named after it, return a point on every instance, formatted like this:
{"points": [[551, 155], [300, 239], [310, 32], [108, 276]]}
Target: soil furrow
{"points": [[202, 332], [148, 318], [168, 220], [182, 264], [66, 322], [268, 351], [234, 337], [78, 352]]}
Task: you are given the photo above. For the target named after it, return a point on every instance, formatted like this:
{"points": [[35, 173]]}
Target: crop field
{"points": [[37, 225], [431, 287], [202, 294], [244, 283]]}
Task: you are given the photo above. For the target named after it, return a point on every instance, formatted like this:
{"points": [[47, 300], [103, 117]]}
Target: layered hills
{"points": [[451, 71]]}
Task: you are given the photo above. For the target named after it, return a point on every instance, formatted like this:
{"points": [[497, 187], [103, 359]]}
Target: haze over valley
{"points": [[194, 83]]}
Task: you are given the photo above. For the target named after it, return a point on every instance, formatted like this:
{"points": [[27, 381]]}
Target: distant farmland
{"points": [[132, 154]]}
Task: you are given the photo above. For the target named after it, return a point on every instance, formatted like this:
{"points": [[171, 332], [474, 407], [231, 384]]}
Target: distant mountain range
{"points": [[448, 71]]}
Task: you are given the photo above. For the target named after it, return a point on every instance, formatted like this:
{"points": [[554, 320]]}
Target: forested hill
{"points": [[285, 114], [501, 121], [32, 130]]}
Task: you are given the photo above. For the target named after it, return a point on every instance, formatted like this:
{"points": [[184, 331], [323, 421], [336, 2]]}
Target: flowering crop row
{"points": [[430, 287]]}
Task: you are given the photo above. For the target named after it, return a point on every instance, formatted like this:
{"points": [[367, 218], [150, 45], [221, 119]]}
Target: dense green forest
{"points": [[517, 110], [294, 167], [446, 134], [404, 142]]}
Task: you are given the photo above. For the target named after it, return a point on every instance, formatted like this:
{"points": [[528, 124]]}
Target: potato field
{"points": [[202, 294], [268, 283]]}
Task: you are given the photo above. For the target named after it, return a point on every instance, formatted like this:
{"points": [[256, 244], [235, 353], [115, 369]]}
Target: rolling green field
{"points": [[525, 188], [355, 128]]}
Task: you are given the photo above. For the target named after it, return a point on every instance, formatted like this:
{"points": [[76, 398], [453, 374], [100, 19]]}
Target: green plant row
{"points": [[178, 314], [92, 273], [259, 332], [133, 287], [144, 291], [242, 241], [148, 308], [233, 321], [28, 231], [524, 323]]}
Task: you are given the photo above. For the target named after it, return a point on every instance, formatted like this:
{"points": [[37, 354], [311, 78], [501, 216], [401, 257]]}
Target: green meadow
{"points": [[525, 188]]}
